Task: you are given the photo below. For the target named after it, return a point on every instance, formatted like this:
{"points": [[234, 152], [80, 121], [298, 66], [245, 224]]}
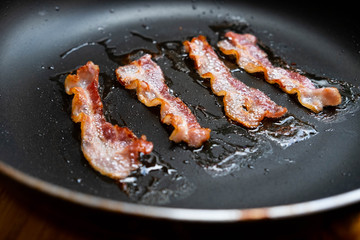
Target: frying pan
{"points": [[266, 177]]}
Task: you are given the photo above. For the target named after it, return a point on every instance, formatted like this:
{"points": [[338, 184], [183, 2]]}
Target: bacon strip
{"points": [[243, 104], [251, 58], [111, 150], [146, 77]]}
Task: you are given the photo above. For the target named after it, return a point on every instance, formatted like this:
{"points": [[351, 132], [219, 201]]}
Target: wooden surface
{"points": [[26, 214]]}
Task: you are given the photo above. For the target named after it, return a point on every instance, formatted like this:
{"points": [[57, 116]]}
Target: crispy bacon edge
{"points": [[147, 78], [252, 59], [111, 150], [254, 105]]}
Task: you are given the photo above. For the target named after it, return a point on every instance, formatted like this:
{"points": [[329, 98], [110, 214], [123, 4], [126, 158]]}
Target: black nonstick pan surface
{"points": [[299, 164]]}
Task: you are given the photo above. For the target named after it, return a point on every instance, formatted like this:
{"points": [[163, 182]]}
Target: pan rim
{"points": [[182, 214]]}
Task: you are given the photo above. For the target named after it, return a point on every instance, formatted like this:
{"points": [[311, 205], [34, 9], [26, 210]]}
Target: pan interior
{"points": [[300, 157]]}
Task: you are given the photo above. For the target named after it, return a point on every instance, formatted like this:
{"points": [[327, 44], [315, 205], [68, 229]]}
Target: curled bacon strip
{"points": [[146, 77], [251, 58], [243, 104], [111, 150]]}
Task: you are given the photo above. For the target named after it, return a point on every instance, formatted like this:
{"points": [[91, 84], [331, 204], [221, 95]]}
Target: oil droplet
{"points": [[146, 27], [251, 166]]}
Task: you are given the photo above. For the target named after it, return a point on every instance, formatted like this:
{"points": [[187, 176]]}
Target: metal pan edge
{"points": [[183, 214]]}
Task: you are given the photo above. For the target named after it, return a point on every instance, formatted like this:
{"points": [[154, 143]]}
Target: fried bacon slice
{"points": [[252, 59], [146, 77], [111, 150], [245, 105]]}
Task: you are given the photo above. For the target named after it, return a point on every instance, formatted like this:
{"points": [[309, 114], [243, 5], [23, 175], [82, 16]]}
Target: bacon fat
{"points": [[252, 59], [110, 149], [146, 77], [243, 104]]}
